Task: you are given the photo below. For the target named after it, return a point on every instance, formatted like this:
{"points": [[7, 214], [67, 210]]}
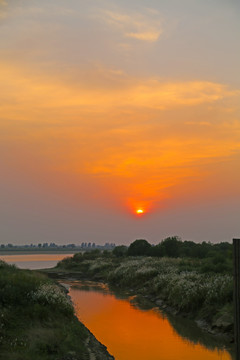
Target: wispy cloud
{"points": [[106, 90], [146, 36], [198, 123], [144, 27], [3, 9]]}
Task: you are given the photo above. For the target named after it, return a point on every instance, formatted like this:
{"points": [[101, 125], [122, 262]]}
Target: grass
{"points": [[36, 319], [189, 286]]}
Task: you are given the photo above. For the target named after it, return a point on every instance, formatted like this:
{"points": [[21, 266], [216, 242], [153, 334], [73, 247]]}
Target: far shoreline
{"points": [[36, 252]]}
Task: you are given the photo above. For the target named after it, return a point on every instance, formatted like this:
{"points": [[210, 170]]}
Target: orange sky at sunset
{"points": [[110, 107]]}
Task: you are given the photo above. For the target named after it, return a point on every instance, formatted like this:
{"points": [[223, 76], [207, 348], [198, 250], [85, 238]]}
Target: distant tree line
{"points": [[215, 257], [52, 245]]}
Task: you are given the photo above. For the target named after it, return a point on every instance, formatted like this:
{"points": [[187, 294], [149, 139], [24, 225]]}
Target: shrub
{"points": [[120, 251], [139, 248], [36, 319], [50, 294], [15, 284]]}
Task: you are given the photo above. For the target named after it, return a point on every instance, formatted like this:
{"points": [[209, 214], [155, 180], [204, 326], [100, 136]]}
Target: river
{"points": [[131, 333], [34, 261]]}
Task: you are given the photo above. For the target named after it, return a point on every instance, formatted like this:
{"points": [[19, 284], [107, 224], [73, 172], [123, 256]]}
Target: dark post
{"points": [[236, 295]]}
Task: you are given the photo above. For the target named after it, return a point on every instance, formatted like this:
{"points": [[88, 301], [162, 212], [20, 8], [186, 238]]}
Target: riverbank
{"points": [[37, 321], [37, 252], [174, 285]]}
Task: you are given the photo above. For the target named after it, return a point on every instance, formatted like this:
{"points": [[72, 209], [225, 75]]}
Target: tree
{"points": [[139, 247], [171, 246], [157, 250], [120, 251]]}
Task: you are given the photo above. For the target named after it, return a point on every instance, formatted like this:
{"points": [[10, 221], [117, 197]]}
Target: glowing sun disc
{"points": [[139, 211]]}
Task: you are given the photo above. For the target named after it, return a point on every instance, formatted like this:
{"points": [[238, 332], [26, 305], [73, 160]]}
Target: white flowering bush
{"points": [[49, 294], [185, 290], [146, 271], [139, 271], [87, 262], [99, 265], [125, 273], [191, 290], [219, 289], [180, 283]]}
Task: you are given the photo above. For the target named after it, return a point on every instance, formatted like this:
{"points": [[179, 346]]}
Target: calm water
{"points": [[34, 261], [133, 334]]}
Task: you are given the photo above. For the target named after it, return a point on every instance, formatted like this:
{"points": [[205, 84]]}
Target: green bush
{"points": [[139, 247], [15, 285], [120, 251], [37, 320]]}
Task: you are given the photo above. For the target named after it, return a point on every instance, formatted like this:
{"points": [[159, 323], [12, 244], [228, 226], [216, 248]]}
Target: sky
{"points": [[110, 107]]}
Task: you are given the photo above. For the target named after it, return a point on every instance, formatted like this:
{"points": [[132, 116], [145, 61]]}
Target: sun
{"points": [[139, 211]]}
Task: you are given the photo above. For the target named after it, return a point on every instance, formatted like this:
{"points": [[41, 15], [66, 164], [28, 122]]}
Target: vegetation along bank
{"points": [[192, 280], [37, 320]]}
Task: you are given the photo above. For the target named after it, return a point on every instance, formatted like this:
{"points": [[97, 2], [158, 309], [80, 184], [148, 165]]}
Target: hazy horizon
{"points": [[109, 107]]}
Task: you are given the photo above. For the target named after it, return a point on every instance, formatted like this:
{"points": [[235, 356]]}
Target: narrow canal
{"points": [[131, 333]]}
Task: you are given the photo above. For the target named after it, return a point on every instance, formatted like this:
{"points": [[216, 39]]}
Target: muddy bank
{"points": [[96, 350]]}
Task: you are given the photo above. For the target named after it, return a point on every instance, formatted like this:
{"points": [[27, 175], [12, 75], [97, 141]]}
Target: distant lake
{"points": [[34, 261]]}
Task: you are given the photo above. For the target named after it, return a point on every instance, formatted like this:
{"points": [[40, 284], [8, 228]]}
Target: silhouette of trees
{"points": [[139, 247], [211, 257], [120, 251]]}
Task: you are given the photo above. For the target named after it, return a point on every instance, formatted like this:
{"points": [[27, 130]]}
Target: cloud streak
{"points": [[144, 27], [108, 90], [3, 9]]}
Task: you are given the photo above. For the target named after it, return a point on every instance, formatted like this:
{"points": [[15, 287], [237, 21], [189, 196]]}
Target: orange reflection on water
{"points": [[131, 334], [33, 257], [34, 261]]}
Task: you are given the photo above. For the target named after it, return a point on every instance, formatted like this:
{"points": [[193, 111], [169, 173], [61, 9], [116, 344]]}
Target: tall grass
{"points": [[36, 319], [184, 285]]}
